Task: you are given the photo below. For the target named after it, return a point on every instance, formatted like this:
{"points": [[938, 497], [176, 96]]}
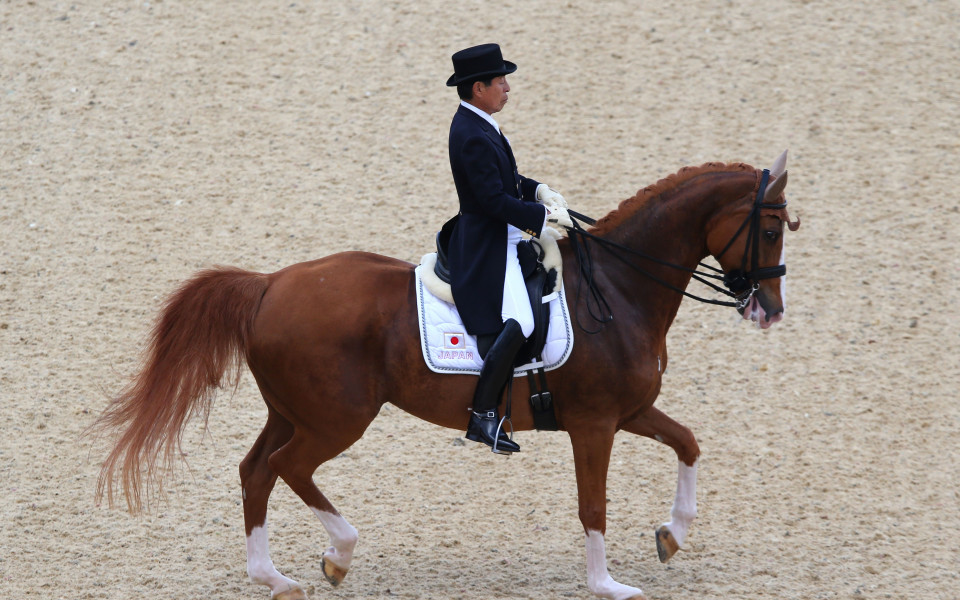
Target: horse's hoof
{"points": [[332, 572], [666, 544], [294, 593]]}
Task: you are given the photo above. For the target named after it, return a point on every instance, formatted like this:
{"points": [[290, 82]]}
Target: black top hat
{"points": [[479, 62]]}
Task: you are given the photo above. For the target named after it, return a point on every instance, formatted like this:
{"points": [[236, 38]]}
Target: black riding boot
{"points": [[497, 369]]}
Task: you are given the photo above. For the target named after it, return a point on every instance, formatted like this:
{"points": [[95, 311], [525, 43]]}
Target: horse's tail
{"points": [[202, 332]]}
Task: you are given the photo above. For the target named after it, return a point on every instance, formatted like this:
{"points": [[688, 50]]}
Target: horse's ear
{"points": [[775, 189], [779, 165]]}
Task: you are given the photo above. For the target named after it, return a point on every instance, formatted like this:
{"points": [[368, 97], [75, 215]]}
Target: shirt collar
{"points": [[483, 115]]}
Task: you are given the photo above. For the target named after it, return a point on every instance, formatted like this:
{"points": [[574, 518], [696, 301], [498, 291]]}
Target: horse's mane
{"points": [[653, 192]]}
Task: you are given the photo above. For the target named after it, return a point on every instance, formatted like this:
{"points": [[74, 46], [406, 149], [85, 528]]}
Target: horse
{"points": [[330, 341]]}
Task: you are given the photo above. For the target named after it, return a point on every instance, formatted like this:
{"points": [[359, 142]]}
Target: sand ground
{"points": [[142, 141]]}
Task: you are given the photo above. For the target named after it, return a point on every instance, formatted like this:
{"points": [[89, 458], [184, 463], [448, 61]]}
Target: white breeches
{"points": [[516, 302]]}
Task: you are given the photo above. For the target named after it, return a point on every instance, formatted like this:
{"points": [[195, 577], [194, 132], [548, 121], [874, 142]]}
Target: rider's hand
{"points": [[549, 197], [557, 215]]}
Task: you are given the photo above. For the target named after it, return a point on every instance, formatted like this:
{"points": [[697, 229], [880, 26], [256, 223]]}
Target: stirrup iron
{"points": [[496, 437]]}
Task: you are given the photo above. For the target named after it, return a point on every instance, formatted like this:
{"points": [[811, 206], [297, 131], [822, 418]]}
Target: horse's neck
{"points": [[671, 227]]}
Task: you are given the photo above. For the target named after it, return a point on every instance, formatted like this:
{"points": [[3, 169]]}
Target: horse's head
{"points": [[747, 241]]}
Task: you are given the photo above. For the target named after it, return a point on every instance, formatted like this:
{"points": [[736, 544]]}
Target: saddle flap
{"points": [[530, 254]]}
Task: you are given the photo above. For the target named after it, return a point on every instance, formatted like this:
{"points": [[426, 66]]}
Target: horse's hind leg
{"points": [[257, 480], [296, 462], [656, 425]]}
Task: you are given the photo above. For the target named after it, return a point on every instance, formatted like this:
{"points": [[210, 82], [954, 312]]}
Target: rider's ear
{"points": [[775, 189]]}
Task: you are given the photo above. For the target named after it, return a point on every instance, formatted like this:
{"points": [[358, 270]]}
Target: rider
{"points": [[497, 206]]}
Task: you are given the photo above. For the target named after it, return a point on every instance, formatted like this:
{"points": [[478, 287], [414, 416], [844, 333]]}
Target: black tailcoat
{"points": [[492, 194]]}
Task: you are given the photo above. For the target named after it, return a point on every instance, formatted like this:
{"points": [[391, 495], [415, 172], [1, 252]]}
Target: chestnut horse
{"points": [[330, 341]]}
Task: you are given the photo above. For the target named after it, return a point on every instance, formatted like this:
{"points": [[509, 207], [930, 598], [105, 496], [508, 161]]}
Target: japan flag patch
{"points": [[454, 341]]}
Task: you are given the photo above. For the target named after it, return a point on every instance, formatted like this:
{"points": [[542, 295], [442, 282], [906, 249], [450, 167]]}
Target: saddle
{"points": [[540, 264], [539, 278]]}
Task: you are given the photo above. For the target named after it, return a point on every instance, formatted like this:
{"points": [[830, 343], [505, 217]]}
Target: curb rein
{"points": [[741, 284]]}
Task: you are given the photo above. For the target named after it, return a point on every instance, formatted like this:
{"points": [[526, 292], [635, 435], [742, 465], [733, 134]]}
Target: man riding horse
{"points": [[497, 206]]}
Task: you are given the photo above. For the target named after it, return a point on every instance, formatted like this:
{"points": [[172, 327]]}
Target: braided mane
{"points": [[652, 193]]}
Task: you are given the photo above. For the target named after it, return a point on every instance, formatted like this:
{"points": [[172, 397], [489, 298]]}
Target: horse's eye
{"points": [[771, 235]]}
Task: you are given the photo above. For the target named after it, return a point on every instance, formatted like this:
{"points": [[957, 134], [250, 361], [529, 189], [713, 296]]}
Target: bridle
{"points": [[741, 284]]}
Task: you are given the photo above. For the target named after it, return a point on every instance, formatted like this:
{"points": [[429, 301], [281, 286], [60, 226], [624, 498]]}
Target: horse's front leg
{"points": [[592, 444], [655, 425]]}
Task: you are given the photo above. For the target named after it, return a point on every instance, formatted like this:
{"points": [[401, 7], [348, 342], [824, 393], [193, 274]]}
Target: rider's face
{"points": [[491, 98]]}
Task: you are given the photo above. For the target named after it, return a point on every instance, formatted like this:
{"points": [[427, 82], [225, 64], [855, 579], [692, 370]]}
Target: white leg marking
{"points": [[684, 509], [783, 280], [259, 565], [343, 537], [598, 579]]}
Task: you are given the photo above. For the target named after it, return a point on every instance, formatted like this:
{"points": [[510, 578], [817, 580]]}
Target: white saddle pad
{"points": [[448, 348]]}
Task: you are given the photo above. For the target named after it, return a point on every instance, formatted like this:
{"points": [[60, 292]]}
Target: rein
{"points": [[741, 284]]}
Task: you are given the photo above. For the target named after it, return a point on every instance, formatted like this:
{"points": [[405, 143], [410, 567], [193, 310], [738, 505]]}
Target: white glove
{"points": [[549, 197], [557, 215]]}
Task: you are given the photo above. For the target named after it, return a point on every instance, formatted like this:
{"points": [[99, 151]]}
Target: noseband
{"points": [[741, 283]]}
